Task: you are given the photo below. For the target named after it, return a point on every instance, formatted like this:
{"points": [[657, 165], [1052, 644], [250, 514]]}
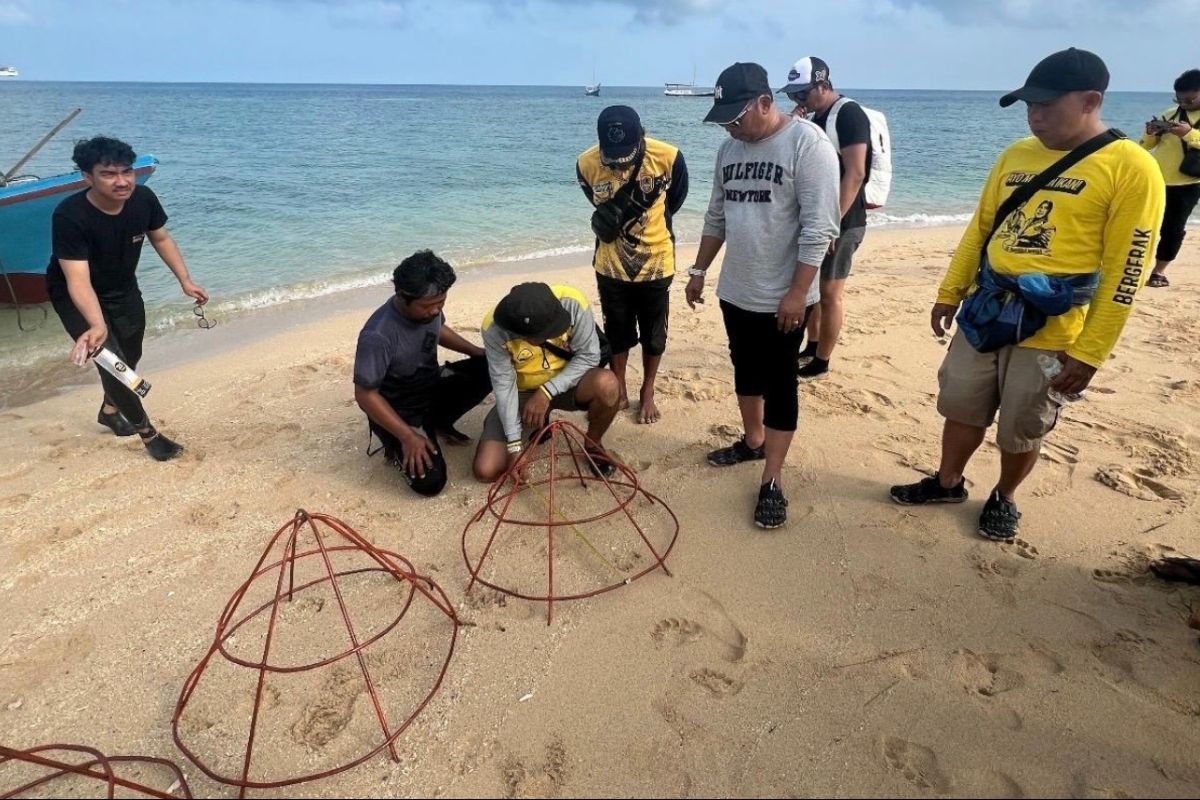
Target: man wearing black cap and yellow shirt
{"points": [[637, 184], [1088, 234], [543, 353], [1170, 137]]}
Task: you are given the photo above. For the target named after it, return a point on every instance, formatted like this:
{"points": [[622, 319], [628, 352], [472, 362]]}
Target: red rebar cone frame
{"points": [[562, 440], [384, 561], [98, 767]]}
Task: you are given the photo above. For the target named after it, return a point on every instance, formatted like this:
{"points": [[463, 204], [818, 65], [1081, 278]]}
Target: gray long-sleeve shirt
{"points": [[584, 343], [774, 202]]}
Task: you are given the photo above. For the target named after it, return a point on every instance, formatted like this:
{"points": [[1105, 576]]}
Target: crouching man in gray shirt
{"points": [[775, 206]]}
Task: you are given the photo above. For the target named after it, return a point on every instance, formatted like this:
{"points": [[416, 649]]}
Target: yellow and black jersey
{"points": [[645, 251]]}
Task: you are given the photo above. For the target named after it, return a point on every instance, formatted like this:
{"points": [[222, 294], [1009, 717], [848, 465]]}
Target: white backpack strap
{"points": [[831, 123]]}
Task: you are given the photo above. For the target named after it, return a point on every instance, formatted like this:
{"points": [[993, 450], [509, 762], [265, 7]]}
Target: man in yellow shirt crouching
{"points": [[1047, 289]]}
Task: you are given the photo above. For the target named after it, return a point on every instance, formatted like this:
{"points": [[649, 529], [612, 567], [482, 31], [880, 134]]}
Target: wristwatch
{"points": [[696, 272]]}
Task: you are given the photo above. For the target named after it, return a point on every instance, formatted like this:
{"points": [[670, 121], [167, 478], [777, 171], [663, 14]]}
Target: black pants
{"points": [[765, 363], [460, 386], [126, 321], [635, 312], [1181, 201]]}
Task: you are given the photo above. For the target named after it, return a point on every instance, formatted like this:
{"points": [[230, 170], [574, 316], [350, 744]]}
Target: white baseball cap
{"points": [[804, 73]]}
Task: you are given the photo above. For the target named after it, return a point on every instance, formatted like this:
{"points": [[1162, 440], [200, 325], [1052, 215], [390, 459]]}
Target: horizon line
{"points": [[494, 85]]}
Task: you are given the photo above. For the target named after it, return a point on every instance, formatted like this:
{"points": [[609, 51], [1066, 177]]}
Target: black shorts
{"points": [[635, 312], [765, 362]]}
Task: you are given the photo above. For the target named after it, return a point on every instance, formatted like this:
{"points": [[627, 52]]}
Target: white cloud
{"points": [[15, 12]]}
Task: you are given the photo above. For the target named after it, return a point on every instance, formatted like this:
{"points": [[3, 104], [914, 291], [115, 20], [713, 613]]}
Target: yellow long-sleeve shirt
{"points": [[1167, 148], [1103, 214]]}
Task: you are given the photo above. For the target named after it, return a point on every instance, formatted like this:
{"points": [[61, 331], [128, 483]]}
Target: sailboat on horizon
{"points": [[688, 89], [594, 89]]}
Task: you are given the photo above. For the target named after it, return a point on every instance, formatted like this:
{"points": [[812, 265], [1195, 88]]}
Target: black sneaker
{"points": [[160, 447], [929, 490], [771, 511], [736, 453], [1000, 520], [600, 464], [116, 423]]}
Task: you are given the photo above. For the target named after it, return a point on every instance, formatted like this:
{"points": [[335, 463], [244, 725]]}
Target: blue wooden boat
{"points": [[26, 206]]}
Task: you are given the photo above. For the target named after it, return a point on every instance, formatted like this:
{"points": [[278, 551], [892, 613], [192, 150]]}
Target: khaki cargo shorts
{"points": [[974, 386], [493, 428]]}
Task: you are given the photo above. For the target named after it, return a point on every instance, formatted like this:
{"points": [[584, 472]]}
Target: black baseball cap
{"points": [[736, 87], [1066, 71], [531, 311], [619, 130]]}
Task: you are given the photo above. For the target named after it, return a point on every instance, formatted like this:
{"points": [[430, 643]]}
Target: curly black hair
{"points": [[423, 275], [102, 150]]}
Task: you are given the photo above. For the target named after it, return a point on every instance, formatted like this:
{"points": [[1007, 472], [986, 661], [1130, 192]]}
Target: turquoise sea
{"points": [[278, 192]]}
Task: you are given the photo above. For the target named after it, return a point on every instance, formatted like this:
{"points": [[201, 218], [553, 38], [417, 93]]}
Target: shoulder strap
{"points": [[561, 352], [1025, 192], [831, 123]]}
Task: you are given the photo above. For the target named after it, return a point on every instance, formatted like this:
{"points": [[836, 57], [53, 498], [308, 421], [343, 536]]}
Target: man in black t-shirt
{"points": [[97, 237], [810, 89], [408, 398]]}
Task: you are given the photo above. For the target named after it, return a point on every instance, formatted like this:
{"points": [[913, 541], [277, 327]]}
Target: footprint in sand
{"points": [[676, 632], [717, 684], [1022, 548], [917, 764], [1136, 483], [997, 576], [982, 674], [324, 719], [543, 780]]}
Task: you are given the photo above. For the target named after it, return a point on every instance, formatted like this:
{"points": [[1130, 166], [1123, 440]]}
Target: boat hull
{"points": [[25, 212]]}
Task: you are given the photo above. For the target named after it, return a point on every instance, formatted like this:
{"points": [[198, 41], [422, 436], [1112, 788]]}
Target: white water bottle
{"points": [[114, 366], [1051, 366]]}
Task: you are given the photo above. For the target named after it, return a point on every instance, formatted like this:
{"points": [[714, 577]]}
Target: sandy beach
{"points": [[865, 649]]}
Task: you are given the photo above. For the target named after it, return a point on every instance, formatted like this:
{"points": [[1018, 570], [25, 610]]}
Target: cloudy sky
{"points": [[918, 44]]}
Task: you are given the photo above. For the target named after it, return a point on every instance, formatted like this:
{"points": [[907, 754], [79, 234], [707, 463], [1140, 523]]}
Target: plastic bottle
{"points": [[1051, 366], [114, 366]]}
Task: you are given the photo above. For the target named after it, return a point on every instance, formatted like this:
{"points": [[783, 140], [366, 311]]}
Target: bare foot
{"points": [[623, 401], [649, 413]]}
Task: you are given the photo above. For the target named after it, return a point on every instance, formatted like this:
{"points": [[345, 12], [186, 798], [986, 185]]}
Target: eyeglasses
{"points": [[736, 122], [203, 321], [799, 98]]}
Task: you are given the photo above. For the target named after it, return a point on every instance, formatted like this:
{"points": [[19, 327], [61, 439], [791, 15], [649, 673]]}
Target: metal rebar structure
{"points": [[341, 541], [562, 443], [97, 767]]}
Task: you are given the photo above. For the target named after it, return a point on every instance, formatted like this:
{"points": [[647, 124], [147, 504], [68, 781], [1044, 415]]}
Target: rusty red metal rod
{"points": [[86, 770], [392, 564]]}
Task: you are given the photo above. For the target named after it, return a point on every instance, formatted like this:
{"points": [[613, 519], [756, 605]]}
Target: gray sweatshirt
{"points": [[584, 342], [774, 203]]}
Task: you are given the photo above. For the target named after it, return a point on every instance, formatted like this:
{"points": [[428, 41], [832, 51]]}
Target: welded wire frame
{"points": [[563, 441], [98, 767], [228, 625]]}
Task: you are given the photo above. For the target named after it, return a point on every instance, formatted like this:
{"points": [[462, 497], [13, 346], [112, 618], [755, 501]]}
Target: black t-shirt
{"points": [[110, 243], [853, 127], [398, 357]]}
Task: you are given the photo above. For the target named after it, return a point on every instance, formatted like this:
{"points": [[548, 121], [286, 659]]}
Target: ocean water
{"points": [[278, 192]]}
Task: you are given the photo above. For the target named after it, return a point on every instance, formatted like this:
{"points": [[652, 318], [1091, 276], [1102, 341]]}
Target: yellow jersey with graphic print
{"points": [[645, 250], [1102, 214], [534, 363], [1168, 148]]}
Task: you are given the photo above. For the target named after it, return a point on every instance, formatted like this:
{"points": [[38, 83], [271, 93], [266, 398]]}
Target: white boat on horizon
{"points": [[689, 89], [8, 72]]}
